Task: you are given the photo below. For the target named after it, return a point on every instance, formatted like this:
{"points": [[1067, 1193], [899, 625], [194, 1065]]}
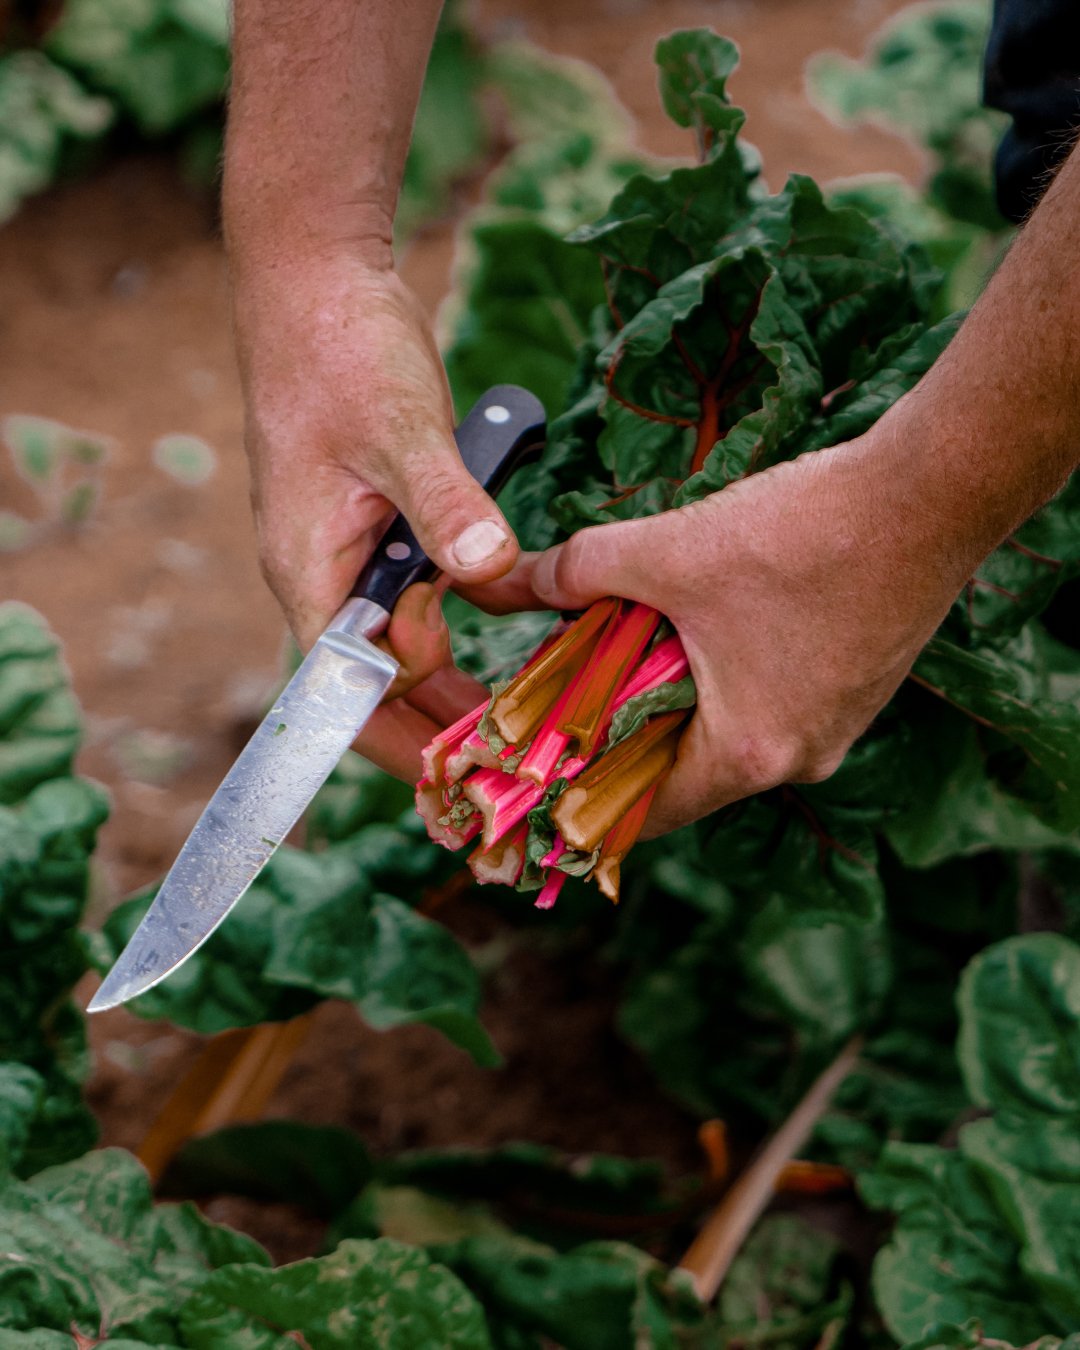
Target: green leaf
{"points": [[923, 75], [84, 1248], [1019, 1047], [1009, 688], [43, 111], [948, 1336], [48, 824], [36, 445], [785, 1288], [1032, 1168], [409, 1215], [21, 1093], [950, 1256], [162, 66], [312, 928], [186, 458], [376, 1295], [600, 1296], [694, 66], [320, 1167], [530, 300]]}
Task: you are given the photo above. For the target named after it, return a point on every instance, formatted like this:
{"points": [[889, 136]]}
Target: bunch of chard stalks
{"points": [[554, 775]]}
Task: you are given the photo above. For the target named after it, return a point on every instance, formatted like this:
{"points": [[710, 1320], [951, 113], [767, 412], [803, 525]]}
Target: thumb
{"points": [[604, 560], [456, 523]]}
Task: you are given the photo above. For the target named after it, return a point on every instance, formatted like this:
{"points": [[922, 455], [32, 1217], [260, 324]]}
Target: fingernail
{"points": [[477, 543]]}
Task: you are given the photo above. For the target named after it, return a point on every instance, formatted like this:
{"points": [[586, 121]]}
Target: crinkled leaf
{"points": [[1019, 1047], [84, 1247], [312, 928], [1032, 1168], [1007, 688], [785, 1287], [600, 1296], [366, 1295], [950, 1256]]}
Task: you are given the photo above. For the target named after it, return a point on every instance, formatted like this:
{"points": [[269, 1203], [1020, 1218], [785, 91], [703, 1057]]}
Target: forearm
{"points": [[993, 429], [324, 93]]}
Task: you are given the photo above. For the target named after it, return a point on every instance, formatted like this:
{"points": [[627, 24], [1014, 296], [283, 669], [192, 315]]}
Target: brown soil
{"points": [[115, 320]]}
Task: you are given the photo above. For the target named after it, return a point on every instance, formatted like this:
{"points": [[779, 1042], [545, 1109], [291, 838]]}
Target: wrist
{"points": [[272, 220], [975, 474]]}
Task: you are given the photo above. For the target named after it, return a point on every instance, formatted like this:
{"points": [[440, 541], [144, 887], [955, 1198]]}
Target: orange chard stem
{"points": [[713, 1138], [708, 428], [800, 1177], [596, 801], [617, 844], [526, 701], [590, 699]]}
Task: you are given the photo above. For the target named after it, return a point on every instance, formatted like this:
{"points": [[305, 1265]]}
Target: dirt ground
{"points": [[114, 319]]}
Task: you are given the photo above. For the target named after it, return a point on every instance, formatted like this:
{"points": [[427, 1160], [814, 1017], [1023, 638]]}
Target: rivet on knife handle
{"points": [[503, 430]]}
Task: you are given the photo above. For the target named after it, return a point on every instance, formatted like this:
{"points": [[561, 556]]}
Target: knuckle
{"points": [[762, 761], [820, 766], [439, 499], [571, 564]]}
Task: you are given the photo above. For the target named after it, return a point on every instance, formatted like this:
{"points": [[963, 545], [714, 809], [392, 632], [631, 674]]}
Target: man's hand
{"points": [[802, 596], [348, 418]]}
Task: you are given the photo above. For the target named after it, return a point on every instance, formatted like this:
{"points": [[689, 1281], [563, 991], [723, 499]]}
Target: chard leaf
{"points": [[377, 1295], [634, 713], [47, 830], [295, 940], [987, 1230], [922, 75], [1019, 1047], [320, 1167], [694, 66], [950, 1256], [160, 68], [85, 1249], [1032, 1169], [599, 1296], [785, 1288], [1007, 688]]}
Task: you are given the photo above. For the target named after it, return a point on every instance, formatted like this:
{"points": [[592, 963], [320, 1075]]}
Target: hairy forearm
{"points": [[993, 429], [323, 98]]}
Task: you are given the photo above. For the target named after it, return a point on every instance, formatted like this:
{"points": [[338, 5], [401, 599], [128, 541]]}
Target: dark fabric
{"points": [[1033, 74]]}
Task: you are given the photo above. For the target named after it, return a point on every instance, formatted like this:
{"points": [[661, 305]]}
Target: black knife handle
{"points": [[503, 430]]}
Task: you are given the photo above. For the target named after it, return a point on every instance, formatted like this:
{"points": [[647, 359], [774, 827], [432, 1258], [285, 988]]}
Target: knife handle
{"points": [[503, 430]]}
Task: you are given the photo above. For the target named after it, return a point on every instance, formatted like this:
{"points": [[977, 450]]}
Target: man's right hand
{"points": [[349, 418]]}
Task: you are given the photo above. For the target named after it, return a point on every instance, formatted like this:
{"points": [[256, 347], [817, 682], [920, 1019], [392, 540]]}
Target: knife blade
{"points": [[316, 718]]}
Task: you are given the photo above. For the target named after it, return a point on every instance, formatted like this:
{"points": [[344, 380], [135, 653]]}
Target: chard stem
{"points": [[527, 699], [589, 699], [617, 844], [710, 1255], [610, 786], [550, 893]]}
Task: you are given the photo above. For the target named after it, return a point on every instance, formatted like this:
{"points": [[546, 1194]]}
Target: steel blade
{"points": [[292, 753]]}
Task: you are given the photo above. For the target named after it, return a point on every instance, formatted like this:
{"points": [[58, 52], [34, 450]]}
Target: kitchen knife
{"points": [[313, 722]]}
